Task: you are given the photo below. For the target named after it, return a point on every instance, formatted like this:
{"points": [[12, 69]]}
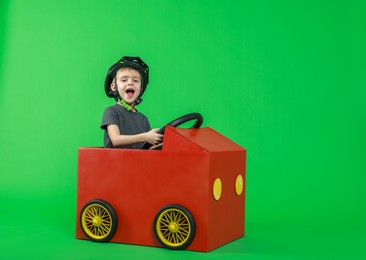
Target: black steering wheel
{"points": [[177, 122]]}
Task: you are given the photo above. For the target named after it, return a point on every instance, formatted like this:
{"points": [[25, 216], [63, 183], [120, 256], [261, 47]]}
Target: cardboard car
{"points": [[189, 195]]}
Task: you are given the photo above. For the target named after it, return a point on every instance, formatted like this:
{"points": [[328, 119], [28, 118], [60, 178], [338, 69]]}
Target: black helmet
{"points": [[131, 62]]}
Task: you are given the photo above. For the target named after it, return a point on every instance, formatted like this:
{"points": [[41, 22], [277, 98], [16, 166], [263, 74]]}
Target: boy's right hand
{"points": [[153, 138]]}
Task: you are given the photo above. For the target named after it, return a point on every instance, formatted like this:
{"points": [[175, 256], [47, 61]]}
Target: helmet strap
{"points": [[115, 92], [127, 106]]}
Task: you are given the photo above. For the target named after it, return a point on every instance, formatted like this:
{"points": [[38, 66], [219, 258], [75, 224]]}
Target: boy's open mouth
{"points": [[130, 92]]}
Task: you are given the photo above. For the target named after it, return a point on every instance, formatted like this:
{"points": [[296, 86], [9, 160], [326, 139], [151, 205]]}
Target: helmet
{"points": [[131, 62]]}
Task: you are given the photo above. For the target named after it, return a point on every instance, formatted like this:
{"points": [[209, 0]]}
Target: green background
{"points": [[284, 79]]}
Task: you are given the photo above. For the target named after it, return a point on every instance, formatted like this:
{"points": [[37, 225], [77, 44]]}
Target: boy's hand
{"points": [[153, 138]]}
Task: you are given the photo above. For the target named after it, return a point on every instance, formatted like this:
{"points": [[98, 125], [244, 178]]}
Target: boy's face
{"points": [[129, 84]]}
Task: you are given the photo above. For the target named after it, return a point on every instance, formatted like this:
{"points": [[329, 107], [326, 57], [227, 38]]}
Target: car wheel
{"points": [[98, 221], [174, 227]]}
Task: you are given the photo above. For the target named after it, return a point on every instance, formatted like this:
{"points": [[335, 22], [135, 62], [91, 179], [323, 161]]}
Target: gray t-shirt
{"points": [[129, 123]]}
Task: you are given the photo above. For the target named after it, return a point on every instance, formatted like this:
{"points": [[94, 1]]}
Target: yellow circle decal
{"points": [[217, 189], [239, 184]]}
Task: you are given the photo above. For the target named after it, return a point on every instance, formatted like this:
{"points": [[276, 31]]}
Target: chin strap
{"points": [[125, 105]]}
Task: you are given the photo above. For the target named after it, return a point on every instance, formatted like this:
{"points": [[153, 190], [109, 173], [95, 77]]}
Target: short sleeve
{"points": [[110, 117]]}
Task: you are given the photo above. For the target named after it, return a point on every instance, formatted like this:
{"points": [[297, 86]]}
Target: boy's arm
{"points": [[118, 139]]}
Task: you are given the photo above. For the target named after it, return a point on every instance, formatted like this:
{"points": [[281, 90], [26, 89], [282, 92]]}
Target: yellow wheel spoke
{"points": [[171, 216], [185, 232], [104, 229], [107, 225], [177, 216], [180, 238], [170, 236], [165, 222], [167, 217], [165, 232], [184, 222], [106, 220], [92, 229], [101, 231], [180, 218], [89, 214]]}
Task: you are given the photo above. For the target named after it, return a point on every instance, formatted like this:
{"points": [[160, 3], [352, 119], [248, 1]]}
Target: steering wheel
{"points": [[177, 122]]}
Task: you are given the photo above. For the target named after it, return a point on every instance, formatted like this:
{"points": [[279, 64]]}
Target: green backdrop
{"points": [[284, 79]]}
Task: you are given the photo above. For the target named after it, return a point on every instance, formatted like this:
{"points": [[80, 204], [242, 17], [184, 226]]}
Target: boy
{"points": [[124, 126]]}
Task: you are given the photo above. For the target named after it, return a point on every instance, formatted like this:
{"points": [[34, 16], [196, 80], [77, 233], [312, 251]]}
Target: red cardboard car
{"points": [[189, 195]]}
